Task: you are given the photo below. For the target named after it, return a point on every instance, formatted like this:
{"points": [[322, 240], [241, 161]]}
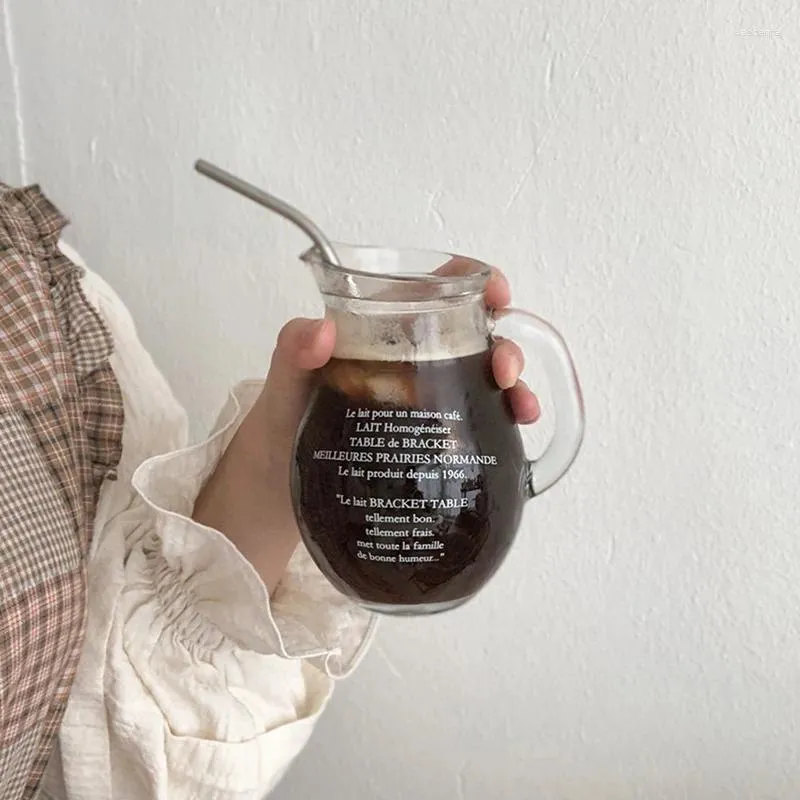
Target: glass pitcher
{"points": [[409, 474]]}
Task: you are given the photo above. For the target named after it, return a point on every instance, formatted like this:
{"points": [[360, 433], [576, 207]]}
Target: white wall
{"points": [[9, 141], [634, 166]]}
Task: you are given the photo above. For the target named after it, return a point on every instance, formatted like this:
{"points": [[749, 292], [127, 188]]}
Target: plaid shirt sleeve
{"points": [[61, 422]]}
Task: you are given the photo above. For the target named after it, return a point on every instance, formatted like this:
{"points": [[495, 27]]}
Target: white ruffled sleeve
{"points": [[192, 683], [238, 680]]}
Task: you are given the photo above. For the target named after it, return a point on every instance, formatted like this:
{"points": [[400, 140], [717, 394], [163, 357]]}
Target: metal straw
{"points": [[273, 204]]}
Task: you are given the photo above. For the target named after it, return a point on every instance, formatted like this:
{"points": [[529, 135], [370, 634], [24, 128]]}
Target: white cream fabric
{"points": [[192, 684]]}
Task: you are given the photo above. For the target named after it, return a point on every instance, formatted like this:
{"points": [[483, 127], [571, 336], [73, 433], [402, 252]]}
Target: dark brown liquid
{"points": [[458, 494]]}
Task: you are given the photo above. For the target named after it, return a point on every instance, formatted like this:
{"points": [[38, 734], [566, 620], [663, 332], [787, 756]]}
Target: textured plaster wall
{"points": [[10, 156], [634, 167]]}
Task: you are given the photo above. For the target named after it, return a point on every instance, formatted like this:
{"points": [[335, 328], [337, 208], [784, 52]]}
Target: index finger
{"points": [[497, 293], [498, 290]]}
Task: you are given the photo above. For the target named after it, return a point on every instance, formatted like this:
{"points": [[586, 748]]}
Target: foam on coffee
{"points": [[374, 352], [452, 332]]}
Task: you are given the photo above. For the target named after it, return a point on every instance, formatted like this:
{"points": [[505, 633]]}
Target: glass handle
{"points": [[540, 339]]}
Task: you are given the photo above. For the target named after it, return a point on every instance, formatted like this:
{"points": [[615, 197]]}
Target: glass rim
{"points": [[481, 272]]}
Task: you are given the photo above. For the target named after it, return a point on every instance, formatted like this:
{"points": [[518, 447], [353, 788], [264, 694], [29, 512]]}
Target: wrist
{"points": [[253, 447], [247, 498]]}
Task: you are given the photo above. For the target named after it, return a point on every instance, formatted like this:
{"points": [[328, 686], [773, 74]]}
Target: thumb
{"points": [[303, 345]]}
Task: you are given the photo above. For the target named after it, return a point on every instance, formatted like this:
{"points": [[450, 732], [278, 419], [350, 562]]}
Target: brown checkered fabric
{"points": [[61, 422]]}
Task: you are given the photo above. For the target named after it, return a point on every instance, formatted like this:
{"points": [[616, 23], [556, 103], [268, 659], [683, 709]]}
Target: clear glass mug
{"points": [[409, 474]]}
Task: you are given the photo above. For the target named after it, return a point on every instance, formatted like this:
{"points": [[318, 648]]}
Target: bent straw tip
{"points": [[202, 166]]}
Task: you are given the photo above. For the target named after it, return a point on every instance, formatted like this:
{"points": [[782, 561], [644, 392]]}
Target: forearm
{"points": [[245, 499]]}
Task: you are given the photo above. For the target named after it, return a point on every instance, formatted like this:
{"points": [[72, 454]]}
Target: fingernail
{"points": [[515, 371], [312, 332]]}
